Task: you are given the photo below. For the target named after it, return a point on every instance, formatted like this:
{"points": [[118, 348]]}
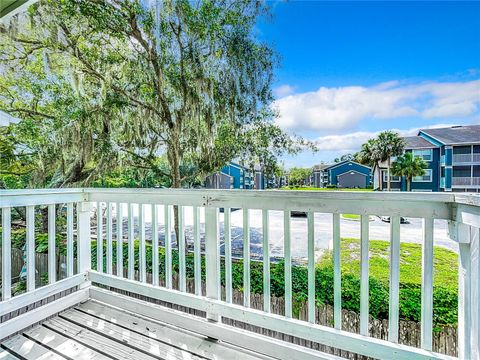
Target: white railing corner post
{"points": [[463, 234], [475, 290], [212, 257], [84, 261]]}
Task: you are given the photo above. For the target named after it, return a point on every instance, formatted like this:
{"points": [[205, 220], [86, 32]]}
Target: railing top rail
{"points": [[29, 197], [414, 204]]}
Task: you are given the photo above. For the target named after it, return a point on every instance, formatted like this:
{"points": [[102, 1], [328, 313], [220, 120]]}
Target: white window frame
{"points": [[392, 178], [422, 154], [428, 172]]}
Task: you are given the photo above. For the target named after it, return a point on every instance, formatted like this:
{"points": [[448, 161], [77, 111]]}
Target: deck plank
{"points": [[29, 350], [94, 340], [63, 345], [5, 355], [188, 341], [128, 337]]}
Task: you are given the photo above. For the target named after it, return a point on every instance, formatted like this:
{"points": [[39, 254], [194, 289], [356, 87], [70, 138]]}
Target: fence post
{"points": [[212, 257], [84, 261]]}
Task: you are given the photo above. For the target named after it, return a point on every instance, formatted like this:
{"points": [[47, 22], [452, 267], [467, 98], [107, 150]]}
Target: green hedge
{"points": [[444, 303]]}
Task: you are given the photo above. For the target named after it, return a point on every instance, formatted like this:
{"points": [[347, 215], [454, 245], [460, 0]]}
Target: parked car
{"points": [[298, 214], [387, 219]]}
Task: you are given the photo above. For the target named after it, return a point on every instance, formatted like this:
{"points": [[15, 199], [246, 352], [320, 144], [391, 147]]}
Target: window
{"points": [[427, 177], [425, 154], [392, 178]]}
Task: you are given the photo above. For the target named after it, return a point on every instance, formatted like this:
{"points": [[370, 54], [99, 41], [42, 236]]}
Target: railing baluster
{"points": [[197, 251], [131, 243], [155, 264], [168, 248], [311, 266], [109, 239], [84, 239], [30, 248], [227, 234], [69, 239], [364, 286], [393, 304], [266, 261], [288, 263], [52, 274], [246, 258], [181, 250], [427, 284], [119, 240], [99, 237], [6, 254], [337, 275], [142, 258], [212, 258]]}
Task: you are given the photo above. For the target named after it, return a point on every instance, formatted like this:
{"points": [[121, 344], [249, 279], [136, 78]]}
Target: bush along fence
{"points": [[445, 300]]}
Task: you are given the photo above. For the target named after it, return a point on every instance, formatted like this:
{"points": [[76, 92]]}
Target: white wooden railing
{"points": [[467, 181], [462, 158], [462, 212]]}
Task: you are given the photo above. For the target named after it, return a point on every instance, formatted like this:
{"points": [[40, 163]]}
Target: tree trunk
{"points": [[388, 174], [380, 180], [173, 153], [408, 184]]}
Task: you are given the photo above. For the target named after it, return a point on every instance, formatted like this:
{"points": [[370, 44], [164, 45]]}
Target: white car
{"points": [[387, 219]]}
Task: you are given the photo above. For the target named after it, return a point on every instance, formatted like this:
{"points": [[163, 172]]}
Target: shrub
{"points": [[445, 301]]}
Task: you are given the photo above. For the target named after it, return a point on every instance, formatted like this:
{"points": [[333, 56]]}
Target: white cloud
{"points": [[352, 142], [344, 107], [283, 90]]}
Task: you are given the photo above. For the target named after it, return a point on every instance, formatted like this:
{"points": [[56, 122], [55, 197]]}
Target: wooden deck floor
{"points": [[94, 330]]}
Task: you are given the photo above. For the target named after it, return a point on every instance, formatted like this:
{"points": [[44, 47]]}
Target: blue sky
{"points": [[351, 69]]}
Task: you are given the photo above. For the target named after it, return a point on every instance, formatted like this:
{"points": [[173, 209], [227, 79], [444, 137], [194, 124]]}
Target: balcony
{"points": [[114, 311], [466, 181], [466, 158]]}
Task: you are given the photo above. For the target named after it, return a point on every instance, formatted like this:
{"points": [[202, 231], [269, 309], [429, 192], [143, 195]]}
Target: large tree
{"points": [[389, 144], [106, 83], [369, 154]]}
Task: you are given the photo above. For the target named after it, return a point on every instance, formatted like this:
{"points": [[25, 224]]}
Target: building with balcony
{"points": [[231, 176], [453, 158]]}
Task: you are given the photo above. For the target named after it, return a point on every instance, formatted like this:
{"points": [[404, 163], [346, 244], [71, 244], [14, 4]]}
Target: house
{"points": [[345, 174], [453, 158]]}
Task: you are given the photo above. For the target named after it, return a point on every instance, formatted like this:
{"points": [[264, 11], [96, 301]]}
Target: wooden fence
{"points": [[444, 339]]}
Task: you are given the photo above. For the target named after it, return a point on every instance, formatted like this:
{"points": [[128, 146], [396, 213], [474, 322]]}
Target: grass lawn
{"points": [[351, 216], [311, 188], [445, 262]]}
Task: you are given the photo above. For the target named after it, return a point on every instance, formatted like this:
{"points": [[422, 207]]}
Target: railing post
{"points": [[212, 257], [467, 238], [84, 261], [475, 290]]}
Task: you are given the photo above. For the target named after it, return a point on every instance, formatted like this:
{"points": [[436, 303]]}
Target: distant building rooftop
{"points": [[417, 142], [455, 135]]}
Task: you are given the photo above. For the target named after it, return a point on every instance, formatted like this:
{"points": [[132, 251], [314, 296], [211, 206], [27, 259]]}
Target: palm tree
{"points": [[389, 144], [409, 166], [370, 155]]}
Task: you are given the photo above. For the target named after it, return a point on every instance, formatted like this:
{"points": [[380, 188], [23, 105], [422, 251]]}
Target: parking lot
{"points": [[379, 230]]}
